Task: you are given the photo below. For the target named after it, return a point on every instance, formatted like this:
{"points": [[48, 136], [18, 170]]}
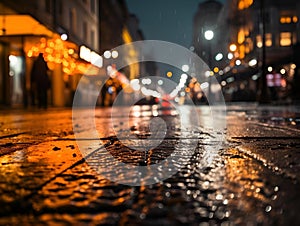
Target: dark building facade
{"points": [[266, 34], [207, 18]]}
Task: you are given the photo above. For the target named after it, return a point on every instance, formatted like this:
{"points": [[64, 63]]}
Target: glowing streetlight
{"points": [[209, 35]]}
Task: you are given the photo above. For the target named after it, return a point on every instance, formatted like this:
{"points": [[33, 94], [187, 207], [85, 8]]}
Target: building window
{"points": [[259, 43], [288, 19], [84, 30], [285, 38], [268, 39], [73, 20]]}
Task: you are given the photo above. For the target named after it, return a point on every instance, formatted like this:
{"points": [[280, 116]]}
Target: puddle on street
{"points": [[258, 195]]}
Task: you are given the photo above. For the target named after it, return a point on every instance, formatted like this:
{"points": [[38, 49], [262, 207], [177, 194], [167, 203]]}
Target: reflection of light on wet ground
{"points": [[252, 191]]}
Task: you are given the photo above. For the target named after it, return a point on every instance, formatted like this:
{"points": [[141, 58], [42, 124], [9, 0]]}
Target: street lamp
{"points": [[209, 35]]}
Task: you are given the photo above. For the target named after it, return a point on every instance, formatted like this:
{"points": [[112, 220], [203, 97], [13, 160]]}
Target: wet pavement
{"points": [[252, 179]]}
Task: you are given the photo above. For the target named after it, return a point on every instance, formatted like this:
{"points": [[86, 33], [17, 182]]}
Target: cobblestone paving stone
{"points": [[44, 179]]}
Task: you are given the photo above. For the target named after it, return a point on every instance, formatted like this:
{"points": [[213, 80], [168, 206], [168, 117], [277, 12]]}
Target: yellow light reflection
{"points": [[245, 175], [295, 19], [126, 36], [169, 74], [216, 69], [244, 4]]}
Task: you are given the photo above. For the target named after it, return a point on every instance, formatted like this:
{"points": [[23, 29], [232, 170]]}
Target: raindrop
{"points": [[227, 214], [219, 197], [268, 209], [160, 206], [142, 216]]}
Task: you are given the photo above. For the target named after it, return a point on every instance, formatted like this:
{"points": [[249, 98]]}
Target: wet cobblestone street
{"points": [[253, 179]]}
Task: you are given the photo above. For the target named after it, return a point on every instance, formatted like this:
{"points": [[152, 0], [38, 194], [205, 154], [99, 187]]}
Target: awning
{"points": [[22, 25]]}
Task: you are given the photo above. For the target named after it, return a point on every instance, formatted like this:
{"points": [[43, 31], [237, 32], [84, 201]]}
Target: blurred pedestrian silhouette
{"points": [[40, 81]]}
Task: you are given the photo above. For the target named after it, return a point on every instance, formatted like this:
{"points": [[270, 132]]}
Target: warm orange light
{"points": [[216, 69], [51, 44], [242, 52], [169, 74], [244, 4], [285, 38], [71, 51], [241, 36], [295, 19], [259, 43], [269, 39], [241, 5], [126, 36], [29, 54]]}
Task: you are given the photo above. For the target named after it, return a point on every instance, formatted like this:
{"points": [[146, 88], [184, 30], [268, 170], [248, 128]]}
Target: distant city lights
{"points": [[216, 69], [169, 74], [233, 47], [207, 74], [107, 54], [135, 84], [114, 54], [270, 69], [204, 85], [209, 35], [146, 81], [185, 68], [252, 62], [238, 62], [64, 37], [219, 57], [230, 56]]}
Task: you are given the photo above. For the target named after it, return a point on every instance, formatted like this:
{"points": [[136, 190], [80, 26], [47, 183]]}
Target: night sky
{"points": [[168, 20]]}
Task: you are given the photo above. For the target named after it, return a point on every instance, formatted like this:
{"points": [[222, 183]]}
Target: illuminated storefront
{"points": [[20, 45]]}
